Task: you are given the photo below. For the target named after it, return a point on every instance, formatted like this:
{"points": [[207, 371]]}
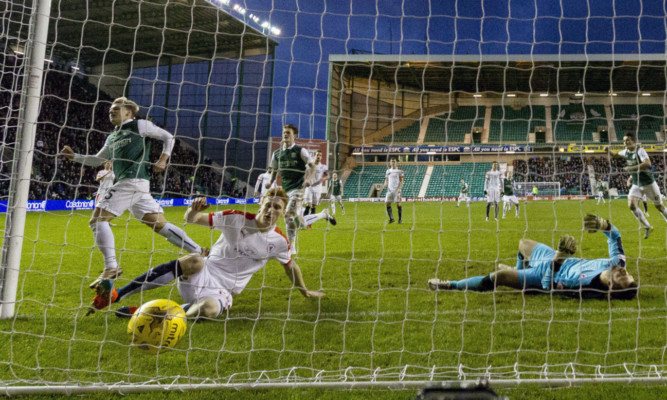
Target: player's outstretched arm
{"points": [[294, 274], [193, 215]]}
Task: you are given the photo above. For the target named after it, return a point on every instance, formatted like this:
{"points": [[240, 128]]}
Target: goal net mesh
{"points": [[446, 89]]}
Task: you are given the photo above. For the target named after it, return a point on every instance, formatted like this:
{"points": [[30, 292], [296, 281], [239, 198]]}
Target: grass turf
{"points": [[378, 314]]}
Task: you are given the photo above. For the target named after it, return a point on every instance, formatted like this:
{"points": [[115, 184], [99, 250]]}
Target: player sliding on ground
{"points": [[128, 150], [208, 282], [541, 267], [638, 164]]}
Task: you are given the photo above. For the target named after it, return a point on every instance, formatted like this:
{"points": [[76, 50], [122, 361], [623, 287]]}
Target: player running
{"points": [[492, 186], [509, 199], [296, 169], [262, 181], [209, 282], [336, 194], [393, 181], [463, 194], [314, 191], [600, 193], [541, 267], [128, 150], [638, 164]]}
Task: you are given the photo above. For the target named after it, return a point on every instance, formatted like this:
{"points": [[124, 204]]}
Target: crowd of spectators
{"points": [[573, 172], [74, 112]]}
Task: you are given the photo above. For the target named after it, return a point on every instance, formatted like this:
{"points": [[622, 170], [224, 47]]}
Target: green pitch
{"points": [[378, 312]]}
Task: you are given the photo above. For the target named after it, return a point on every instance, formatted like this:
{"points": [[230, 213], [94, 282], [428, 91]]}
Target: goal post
{"points": [[12, 244], [546, 189]]}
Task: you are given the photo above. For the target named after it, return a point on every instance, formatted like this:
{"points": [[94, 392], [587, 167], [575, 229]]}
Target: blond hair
{"points": [[127, 103], [278, 193]]}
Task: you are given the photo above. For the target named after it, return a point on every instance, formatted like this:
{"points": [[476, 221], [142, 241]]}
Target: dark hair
{"points": [[293, 128], [632, 136], [627, 293]]}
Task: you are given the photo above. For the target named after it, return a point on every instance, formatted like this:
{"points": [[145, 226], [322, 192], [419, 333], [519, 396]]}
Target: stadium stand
{"points": [[446, 179], [644, 120], [452, 127], [409, 134], [82, 123], [576, 122], [510, 125], [362, 178]]}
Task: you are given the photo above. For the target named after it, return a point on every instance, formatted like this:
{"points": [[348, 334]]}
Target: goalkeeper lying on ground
{"points": [[541, 267]]}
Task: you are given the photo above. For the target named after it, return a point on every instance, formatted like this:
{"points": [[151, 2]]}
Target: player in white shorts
{"points": [[128, 149], [262, 181], [492, 184], [105, 177], [638, 164], [209, 282], [509, 198], [314, 191], [393, 181]]}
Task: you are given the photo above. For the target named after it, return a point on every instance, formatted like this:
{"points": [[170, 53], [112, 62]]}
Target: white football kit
{"points": [[393, 176], [107, 178], [314, 191], [262, 181], [241, 250], [492, 184]]}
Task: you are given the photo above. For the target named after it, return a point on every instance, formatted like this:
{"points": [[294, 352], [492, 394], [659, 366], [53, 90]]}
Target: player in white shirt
{"points": [[463, 194], [262, 181], [393, 181], [314, 191], [209, 282], [493, 181], [105, 177]]}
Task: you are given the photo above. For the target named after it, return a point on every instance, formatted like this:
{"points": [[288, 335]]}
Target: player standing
{"points": [[247, 242], [644, 200], [463, 194], [600, 192], [393, 181], [509, 199], [492, 185], [128, 150], [638, 164], [262, 181], [314, 191], [105, 177], [336, 193], [296, 169]]}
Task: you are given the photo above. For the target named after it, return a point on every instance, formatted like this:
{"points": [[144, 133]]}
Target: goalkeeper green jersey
{"points": [[129, 152]]}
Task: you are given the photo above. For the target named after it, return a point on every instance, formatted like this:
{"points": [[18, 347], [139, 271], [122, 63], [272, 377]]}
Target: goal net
{"points": [[542, 189], [447, 89]]}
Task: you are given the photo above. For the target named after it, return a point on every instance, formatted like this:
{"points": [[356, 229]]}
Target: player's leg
{"points": [[333, 205], [458, 201], [633, 201], [100, 223], [399, 208], [389, 198], [505, 205], [340, 202], [488, 206], [514, 200], [652, 193], [467, 201], [162, 275], [169, 231], [308, 220], [484, 283], [292, 217]]}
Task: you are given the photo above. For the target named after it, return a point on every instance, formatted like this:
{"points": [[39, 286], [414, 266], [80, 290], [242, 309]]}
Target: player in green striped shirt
{"points": [[336, 193]]}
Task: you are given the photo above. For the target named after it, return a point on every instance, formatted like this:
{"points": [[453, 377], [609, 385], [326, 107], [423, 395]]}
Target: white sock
{"points": [[179, 238], [639, 214], [663, 213], [333, 208], [290, 225], [106, 243], [312, 218]]}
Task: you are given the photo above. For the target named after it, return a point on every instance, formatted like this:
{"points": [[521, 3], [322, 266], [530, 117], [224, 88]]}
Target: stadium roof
{"points": [[517, 73], [96, 32]]}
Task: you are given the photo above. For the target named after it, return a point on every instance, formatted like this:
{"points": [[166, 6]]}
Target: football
{"points": [[156, 326]]}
